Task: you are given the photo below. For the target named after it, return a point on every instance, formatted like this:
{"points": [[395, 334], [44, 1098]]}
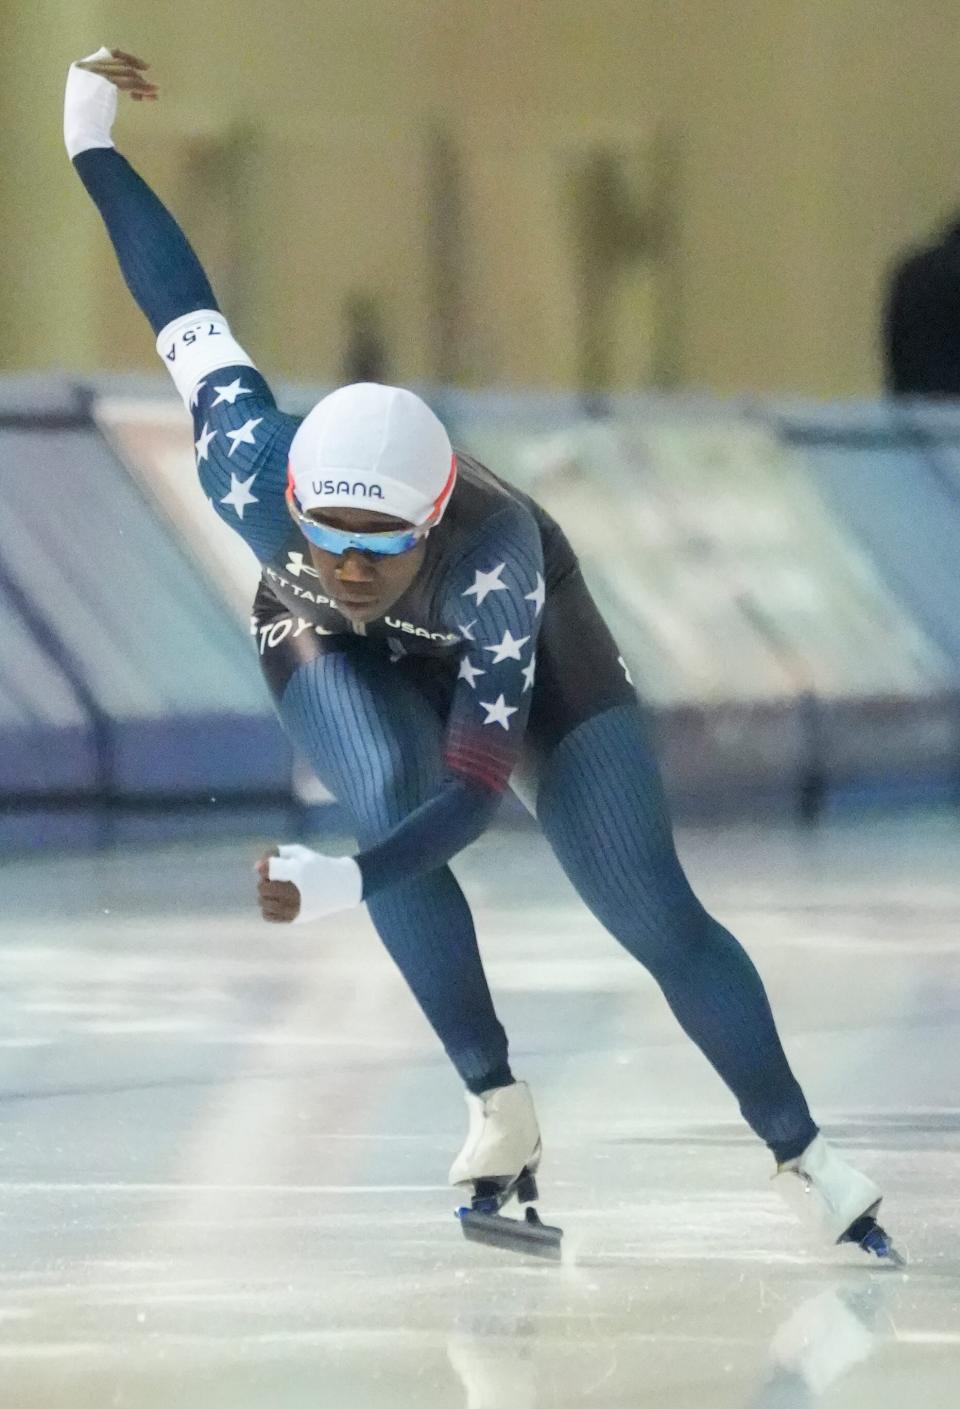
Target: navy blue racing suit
{"points": [[494, 668]]}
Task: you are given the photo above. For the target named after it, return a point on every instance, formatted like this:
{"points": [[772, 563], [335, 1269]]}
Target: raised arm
{"points": [[160, 267], [162, 272], [241, 438]]}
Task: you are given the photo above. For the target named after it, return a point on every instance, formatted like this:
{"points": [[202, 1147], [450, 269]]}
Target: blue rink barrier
{"points": [[781, 576], [126, 691]]}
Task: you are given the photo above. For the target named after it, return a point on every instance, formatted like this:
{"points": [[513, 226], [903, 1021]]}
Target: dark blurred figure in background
{"points": [[921, 320], [611, 233], [365, 351]]}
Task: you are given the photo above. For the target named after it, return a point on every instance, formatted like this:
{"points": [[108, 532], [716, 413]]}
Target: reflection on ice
{"points": [[495, 1356], [824, 1338]]}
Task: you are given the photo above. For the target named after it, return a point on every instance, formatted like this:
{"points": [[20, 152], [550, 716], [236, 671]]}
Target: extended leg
{"points": [[602, 808]]}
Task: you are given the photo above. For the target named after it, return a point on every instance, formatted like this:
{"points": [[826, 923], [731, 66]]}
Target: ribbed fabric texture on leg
{"points": [[376, 744], [601, 806]]}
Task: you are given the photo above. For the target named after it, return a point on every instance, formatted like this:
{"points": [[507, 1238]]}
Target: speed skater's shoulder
{"points": [[487, 512]]}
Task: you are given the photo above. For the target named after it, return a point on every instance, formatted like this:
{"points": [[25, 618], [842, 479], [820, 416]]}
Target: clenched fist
{"points": [[279, 901], [297, 884]]}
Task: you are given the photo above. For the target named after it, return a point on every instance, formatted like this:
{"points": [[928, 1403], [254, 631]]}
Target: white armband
{"points": [[89, 108], [196, 344]]}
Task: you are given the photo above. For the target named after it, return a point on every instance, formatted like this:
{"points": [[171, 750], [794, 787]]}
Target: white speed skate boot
{"points": [[498, 1161], [504, 1137], [836, 1199]]}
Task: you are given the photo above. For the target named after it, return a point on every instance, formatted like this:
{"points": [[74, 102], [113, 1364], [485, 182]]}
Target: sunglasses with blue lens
{"points": [[337, 540]]}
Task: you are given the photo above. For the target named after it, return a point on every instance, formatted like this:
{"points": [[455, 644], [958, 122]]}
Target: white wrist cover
{"points": [[196, 344], [326, 883], [89, 108]]}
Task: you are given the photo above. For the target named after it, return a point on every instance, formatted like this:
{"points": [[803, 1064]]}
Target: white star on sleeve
{"points": [[202, 446], [229, 393], [498, 712], [240, 496], [528, 673], [538, 596], [195, 395], [508, 649], [469, 672], [485, 583], [244, 436]]}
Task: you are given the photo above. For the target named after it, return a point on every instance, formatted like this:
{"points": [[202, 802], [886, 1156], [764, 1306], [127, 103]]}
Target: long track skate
{"points": [[482, 1221]]}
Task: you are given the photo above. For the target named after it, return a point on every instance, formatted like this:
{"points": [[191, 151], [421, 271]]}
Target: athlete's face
{"points": [[364, 585]]}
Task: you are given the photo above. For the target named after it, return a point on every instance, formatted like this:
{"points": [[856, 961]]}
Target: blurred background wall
{"points": [[618, 194], [552, 218]]}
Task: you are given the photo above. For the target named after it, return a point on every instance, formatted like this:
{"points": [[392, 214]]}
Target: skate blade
{"points": [[528, 1236], [867, 1233], [879, 1244]]}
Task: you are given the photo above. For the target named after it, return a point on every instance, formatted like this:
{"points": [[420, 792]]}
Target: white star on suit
{"points": [[467, 631], [539, 594], [485, 583], [469, 672], [240, 496], [499, 712], [508, 649], [244, 436], [202, 446], [229, 393], [528, 672], [195, 395]]}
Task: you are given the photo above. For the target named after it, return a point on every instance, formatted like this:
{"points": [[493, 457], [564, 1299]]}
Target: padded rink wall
{"points": [[782, 580], [129, 703]]}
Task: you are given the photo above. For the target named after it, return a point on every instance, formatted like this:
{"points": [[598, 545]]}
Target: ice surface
{"points": [[223, 1145]]}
